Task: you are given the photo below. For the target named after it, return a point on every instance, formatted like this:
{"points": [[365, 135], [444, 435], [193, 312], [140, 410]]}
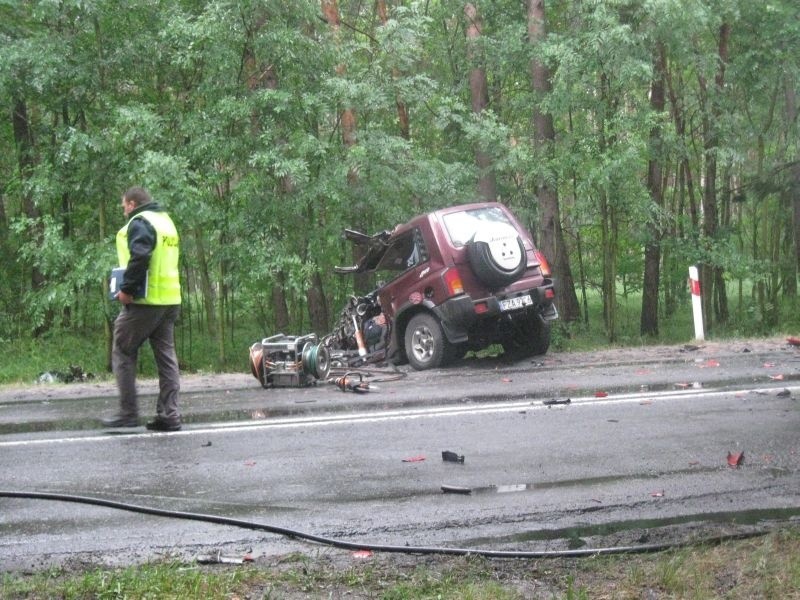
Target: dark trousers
{"points": [[135, 324]]}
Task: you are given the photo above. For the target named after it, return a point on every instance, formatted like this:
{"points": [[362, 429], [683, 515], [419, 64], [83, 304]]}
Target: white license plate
{"points": [[515, 303]]}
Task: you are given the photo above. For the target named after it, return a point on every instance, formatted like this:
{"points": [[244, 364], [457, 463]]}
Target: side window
{"points": [[406, 252]]}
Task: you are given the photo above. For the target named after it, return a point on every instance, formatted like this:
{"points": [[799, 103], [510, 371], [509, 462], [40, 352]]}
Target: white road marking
{"points": [[403, 414]]}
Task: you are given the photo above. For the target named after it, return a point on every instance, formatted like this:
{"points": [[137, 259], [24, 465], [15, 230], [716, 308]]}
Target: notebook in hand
{"points": [[115, 281]]}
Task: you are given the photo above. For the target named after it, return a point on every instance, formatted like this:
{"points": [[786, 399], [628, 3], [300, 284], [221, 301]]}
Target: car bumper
{"points": [[459, 314]]}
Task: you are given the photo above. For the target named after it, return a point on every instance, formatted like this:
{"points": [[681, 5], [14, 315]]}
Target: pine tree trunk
{"points": [[714, 297], [652, 252], [23, 138], [479, 92], [552, 235], [317, 305], [794, 175]]}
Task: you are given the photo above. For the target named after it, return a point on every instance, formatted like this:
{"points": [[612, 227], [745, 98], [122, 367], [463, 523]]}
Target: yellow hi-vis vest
{"points": [[163, 277]]}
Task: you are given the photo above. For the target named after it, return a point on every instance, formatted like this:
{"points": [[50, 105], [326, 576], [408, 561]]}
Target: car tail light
{"points": [[549, 294], [543, 264], [452, 279], [481, 307]]}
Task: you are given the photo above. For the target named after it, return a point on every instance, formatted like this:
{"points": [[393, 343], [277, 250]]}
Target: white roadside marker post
{"points": [[697, 305]]}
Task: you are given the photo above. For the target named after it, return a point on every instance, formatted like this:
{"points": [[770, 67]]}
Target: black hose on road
{"points": [[292, 533]]}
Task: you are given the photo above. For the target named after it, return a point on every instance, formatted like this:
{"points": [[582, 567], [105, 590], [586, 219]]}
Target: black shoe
{"points": [[161, 425], [119, 421]]}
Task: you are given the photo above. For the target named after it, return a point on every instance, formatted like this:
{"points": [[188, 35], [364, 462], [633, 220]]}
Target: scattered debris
{"points": [[793, 341], [690, 348], [249, 463], [657, 494], [776, 377], [696, 385], [600, 394], [553, 401], [221, 559], [71, 375], [362, 554], [448, 456], [454, 489], [207, 444], [783, 393], [735, 459], [414, 459]]}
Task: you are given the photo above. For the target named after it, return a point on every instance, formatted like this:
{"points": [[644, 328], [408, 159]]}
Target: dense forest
{"points": [[633, 137]]}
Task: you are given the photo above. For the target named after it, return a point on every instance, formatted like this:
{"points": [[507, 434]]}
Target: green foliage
{"points": [[232, 115]]}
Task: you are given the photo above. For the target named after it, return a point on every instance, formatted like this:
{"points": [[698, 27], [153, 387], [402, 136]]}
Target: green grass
{"points": [[22, 360], [761, 567]]}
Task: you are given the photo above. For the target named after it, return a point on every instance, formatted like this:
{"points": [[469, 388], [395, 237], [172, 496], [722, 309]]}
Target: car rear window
{"points": [[462, 225]]}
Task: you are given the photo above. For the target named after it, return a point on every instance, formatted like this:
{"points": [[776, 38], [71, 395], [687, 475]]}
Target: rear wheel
{"points": [[529, 336], [425, 343]]}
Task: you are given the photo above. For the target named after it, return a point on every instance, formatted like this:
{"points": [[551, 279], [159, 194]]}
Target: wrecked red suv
{"points": [[456, 279]]}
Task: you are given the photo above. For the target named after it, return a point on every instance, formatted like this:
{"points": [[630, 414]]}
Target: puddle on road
{"points": [[575, 535], [605, 479]]}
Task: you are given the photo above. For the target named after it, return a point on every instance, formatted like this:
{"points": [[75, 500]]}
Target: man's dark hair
{"points": [[137, 195]]}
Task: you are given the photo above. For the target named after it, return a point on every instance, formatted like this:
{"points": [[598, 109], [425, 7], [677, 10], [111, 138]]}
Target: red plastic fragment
{"points": [[600, 394], [735, 459], [362, 554], [710, 363], [419, 458]]}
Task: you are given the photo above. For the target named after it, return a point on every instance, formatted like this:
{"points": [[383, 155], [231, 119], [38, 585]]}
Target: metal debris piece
{"points": [[352, 381], [454, 489], [449, 456], [554, 401]]}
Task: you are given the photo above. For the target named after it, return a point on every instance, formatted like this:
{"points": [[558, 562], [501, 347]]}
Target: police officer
{"points": [[150, 294]]}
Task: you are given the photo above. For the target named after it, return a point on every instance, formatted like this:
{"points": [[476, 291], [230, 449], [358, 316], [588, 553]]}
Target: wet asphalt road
{"points": [[638, 455]]}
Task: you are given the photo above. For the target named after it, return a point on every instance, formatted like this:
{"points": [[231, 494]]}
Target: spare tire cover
{"points": [[497, 255]]}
